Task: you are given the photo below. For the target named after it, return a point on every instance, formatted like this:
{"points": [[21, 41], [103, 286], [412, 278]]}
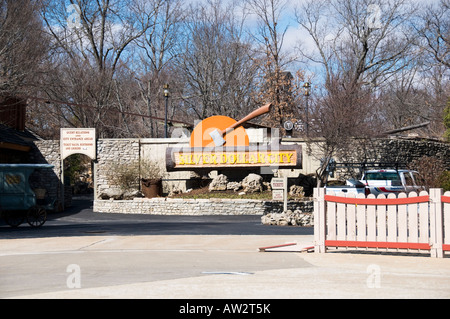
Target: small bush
{"points": [[124, 175], [430, 169], [445, 181]]}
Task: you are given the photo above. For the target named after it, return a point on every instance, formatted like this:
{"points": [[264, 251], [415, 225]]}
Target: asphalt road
{"points": [[119, 249], [83, 254], [80, 220]]}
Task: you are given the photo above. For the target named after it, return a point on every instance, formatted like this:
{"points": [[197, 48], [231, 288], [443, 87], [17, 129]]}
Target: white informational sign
{"points": [[278, 183], [278, 194], [78, 141], [279, 190]]}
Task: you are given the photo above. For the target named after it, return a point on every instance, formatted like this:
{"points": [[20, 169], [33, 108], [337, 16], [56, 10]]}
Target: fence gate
{"points": [[413, 222]]}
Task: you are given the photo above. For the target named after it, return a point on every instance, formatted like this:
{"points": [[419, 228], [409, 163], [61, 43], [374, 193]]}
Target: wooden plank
{"points": [[341, 219], [377, 244], [436, 222], [424, 219], [402, 220], [351, 220], [371, 221], [371, 201], [381, 220], [361, 220], [446, 197], [331, 220], [391, 221], [263, 249], [413, 221], [319, 220], [446, 213]]}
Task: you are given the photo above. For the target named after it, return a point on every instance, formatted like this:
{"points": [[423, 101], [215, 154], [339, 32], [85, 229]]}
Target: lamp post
{"points": [[307, 87], [166, 95]]}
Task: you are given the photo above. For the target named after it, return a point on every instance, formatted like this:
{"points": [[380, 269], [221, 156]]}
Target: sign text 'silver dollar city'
{"points": [[222, 142], [235, 158]]}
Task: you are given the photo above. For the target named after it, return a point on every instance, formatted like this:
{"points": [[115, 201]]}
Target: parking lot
{"points": [[73, 256]]}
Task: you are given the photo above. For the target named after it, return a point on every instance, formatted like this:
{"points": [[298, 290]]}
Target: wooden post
{"points": [[436, 233], [319, 220], [62, 185], [285, 194]]}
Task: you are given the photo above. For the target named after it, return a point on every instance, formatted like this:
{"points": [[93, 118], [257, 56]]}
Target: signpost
{"points": [[78, 141], [279, 190]]}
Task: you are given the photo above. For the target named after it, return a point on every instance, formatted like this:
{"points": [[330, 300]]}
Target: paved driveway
{"points": [[80, 254], [80, 220]]}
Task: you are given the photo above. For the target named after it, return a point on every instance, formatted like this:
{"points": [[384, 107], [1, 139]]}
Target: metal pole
{"points": [[166, 135], [307, 87], [166, 94], [307, 116]]}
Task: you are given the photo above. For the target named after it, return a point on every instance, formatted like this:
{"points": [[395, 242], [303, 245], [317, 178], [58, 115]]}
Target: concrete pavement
{"points": [[188, 267]]}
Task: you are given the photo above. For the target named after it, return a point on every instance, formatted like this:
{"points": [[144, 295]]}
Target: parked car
{"points": [[382, 181], [392, 181], [351, 186]]}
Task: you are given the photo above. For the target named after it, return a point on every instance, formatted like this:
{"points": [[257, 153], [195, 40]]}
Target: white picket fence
{"points": [[414, 222]]}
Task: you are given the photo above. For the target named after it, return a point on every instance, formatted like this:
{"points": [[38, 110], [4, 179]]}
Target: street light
{"points": [[166, 95], [307, 87]]}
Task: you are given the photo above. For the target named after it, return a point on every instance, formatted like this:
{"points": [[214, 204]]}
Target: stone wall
{"points": [[192, 207], [402, 150], [48, 152], [392, 150], [111, 152], [399, 150]]}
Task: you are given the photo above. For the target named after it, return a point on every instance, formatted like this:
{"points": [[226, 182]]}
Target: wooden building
{"points": [[15, 139]]}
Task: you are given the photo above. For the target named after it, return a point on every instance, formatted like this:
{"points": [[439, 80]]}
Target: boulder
{"points": [[219, 183], [112, 193], [131, 194], [252, 183], [234, 186], [289, 218], [296, 191]]}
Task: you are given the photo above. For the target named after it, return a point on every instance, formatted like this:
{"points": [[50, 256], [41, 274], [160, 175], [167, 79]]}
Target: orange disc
{"points": [[201, 137]]}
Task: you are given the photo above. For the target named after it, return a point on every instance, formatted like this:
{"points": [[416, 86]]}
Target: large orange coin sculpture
{"points": [[220, 142], [223, 131]]}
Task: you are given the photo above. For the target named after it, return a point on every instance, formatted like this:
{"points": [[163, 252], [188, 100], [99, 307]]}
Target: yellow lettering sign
{"points": [[244, 158]]}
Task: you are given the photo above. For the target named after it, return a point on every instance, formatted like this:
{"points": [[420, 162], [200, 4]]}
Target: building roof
{"points": [[14, 139]]}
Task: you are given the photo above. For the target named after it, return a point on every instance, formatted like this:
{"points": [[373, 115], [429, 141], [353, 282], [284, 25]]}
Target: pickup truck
{"points": [[381, 181]]}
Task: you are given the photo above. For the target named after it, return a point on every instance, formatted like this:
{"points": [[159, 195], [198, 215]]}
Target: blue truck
{"points": [[17, 200]]}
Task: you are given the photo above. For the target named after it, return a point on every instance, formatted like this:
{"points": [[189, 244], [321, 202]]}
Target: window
{"points": [[383, 176], [12, 179], [419, 180], [408, 179]]}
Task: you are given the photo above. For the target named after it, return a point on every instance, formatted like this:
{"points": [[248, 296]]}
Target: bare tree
{"points": [[359, 45], [216, 62], [23, 46], [366, 40], [275, 79], [434, 29], [92, 39], [158, 47]]}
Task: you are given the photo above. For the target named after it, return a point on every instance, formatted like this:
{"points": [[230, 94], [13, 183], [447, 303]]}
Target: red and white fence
{"points": [[414, 222]]}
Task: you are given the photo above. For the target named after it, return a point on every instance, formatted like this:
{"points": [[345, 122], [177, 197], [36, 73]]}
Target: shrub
{"points": [[445, 181], [430, 169], [124, 175]]}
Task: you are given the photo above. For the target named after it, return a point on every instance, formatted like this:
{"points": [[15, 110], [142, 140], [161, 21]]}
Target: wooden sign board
{"points": [[288, 156], [278, 194], [278, 183], [78, 141]]}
